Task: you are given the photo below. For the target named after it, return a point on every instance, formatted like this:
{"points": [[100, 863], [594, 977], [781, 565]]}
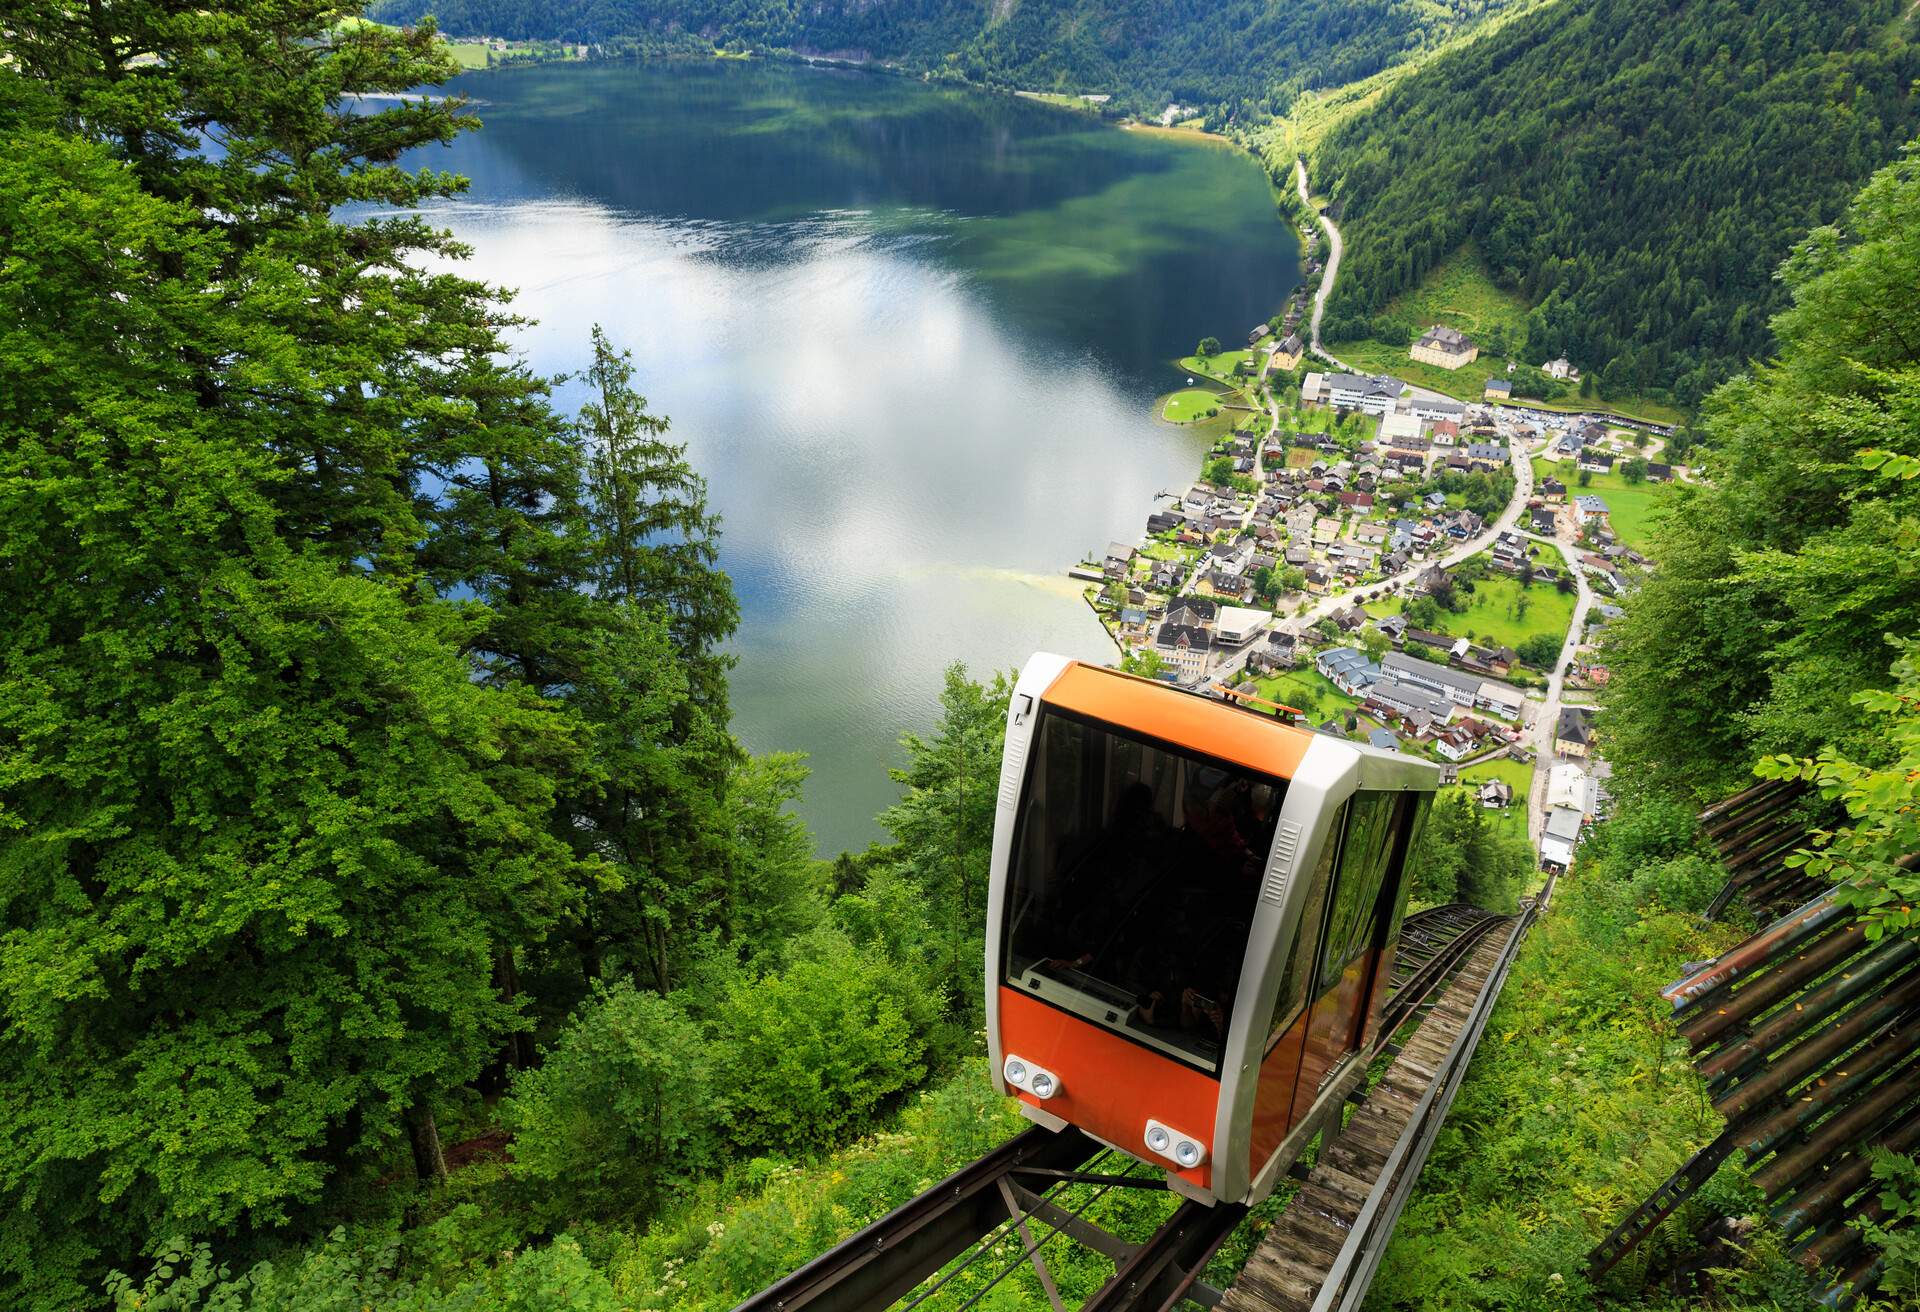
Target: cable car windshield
{"points": [[1135, 872]]}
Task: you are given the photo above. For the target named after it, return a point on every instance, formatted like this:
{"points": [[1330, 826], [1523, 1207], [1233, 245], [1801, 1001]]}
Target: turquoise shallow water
{"points": [[910, 334]]}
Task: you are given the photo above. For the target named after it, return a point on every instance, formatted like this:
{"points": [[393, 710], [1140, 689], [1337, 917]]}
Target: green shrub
{"points": [[620, 1105], [810, 1053], [732, 1236]]}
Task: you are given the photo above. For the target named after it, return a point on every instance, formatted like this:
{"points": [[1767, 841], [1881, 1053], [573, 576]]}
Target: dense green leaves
{"points": [[1636, 168], [1233, 56], [357, 710], [620, 1105], [1780, 585], [1464, 856]]}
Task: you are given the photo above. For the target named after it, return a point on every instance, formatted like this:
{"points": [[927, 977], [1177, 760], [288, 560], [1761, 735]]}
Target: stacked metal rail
{"points": [[1753, 832], [1002, 1212], [1805, 1034]]}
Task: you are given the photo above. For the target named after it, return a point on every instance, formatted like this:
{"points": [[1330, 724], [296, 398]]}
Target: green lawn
{"points": [[1190, 404], [1307, 691], [468, 54], [1493, 612], [1219, 367], [1460, 293], [1630, 506], [1514, 818]]}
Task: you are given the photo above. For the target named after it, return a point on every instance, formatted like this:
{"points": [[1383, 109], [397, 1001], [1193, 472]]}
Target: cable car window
{"points": [[1295, 984], [1135, 872], [1372, 826]]}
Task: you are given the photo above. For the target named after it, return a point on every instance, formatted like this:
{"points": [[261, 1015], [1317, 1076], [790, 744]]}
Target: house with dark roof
{"points": [[1573, 731], [1444, 348]]}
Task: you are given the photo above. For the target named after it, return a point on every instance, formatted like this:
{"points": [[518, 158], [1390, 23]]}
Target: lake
{"points": [[910, 334]]}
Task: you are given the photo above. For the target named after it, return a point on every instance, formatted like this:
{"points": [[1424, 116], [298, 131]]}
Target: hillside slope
{"points": [[1635, 168], [1251, 54]]}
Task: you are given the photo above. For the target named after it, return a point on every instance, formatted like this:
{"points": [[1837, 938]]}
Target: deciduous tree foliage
{"points": [[357, 711], [1780, 584], [1636, 168], [1234, 56]]}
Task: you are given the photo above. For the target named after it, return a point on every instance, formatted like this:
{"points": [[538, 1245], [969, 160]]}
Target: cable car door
{"points": [[1358, 908]]}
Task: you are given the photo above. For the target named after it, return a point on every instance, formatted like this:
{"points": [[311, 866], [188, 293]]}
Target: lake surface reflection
{"points": [[910, 335]]}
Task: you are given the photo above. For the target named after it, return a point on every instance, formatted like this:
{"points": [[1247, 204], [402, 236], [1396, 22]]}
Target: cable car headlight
{"points": [[1183, 1150], [1021, 1074]]}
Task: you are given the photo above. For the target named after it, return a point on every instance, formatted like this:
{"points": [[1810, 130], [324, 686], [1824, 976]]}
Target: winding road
{"points": [[1334, 248]]}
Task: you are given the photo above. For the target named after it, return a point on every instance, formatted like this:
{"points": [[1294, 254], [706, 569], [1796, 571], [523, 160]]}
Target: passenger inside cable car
{"points": [[1133, 882]]}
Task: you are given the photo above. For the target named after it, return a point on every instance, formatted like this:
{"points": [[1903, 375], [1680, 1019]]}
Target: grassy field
{"points": [[1630, 506], [1494, 614], [1459, 293], [1190, 404], [1514, 818], [1061, 100], [468, 54], [1218, 366], [1307, 691]]}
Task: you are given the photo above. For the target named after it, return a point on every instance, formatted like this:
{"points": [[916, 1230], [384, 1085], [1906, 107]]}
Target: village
{"points": [[1394, 565]]}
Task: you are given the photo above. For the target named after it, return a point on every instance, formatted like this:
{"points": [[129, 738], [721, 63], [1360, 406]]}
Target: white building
{"points": [[1561, 834], [1398, 428], [1571, 787], [1426, 407], [1236, 624], [1374, 394]]}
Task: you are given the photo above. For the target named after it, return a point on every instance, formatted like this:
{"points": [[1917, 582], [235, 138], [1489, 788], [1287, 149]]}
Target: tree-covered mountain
{"points": [[1636, 168], [1253, 54]]}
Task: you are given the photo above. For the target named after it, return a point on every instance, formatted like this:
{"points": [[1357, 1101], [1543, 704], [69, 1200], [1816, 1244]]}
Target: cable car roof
{"points": [[1199, 724]]}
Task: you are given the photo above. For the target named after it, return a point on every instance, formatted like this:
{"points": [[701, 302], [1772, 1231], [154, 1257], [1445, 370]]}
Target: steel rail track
{"points": [[1352, 1273], [1435, 958], [878, 1265], [983, 1204]]}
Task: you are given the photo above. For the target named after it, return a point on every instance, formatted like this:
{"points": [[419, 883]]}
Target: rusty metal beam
{"points": [[1833, 1136], [1813, 1202], [1727, 806], [1837, 1037], [1824, 1096], [1809, 1009], [1752, 955], [1718, 1015]]}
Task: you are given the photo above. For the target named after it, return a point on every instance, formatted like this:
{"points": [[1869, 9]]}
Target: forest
{"points": [[1235, 59], [391, 918], [1635, 169], [390, 913]]}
